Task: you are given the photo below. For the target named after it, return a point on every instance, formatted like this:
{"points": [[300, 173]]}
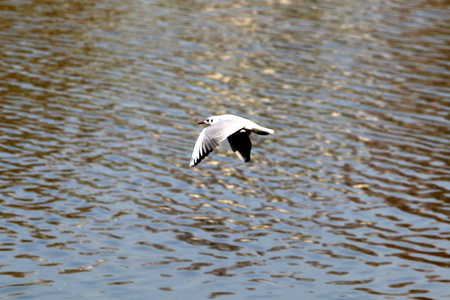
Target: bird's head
{"points": [[210, 120]]}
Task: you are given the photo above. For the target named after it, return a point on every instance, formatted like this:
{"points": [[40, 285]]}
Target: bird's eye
{"points": [[207, 120]]}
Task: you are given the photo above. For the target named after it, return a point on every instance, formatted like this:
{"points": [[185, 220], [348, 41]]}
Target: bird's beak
{"points": [[201, 122]]}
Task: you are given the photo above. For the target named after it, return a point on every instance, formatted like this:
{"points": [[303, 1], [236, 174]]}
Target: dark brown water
{"points": [[99, 102]]}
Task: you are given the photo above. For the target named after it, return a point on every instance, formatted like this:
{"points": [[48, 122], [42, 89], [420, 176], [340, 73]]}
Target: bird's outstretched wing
{"points": [[210, 137], [241, 144]]}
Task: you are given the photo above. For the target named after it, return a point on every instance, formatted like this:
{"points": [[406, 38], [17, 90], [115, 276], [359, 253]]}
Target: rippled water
{"points": [[99, 102]]}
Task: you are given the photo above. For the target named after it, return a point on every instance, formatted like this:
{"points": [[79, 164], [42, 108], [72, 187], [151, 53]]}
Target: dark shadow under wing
{"points": [[240, 142]]}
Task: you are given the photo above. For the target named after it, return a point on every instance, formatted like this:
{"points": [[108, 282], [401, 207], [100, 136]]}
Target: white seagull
{"points": [[236, 129]]}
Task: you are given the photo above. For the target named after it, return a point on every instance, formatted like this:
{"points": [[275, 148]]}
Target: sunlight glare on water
{"points": [[99, 102]]}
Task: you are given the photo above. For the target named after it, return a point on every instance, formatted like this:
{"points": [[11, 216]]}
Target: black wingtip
{"points": [[196, 162]]}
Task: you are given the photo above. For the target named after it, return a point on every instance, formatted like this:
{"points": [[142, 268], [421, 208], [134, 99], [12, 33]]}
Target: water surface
{"points": [[99, 103]]}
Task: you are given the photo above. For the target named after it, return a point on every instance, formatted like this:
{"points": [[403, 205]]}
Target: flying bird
{"points": [[234, 128]]}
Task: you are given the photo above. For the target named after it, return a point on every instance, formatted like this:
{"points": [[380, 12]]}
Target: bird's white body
{"points": [[248, 125], [235, 128]]}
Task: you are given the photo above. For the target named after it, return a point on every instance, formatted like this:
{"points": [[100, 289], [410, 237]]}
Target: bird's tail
{"points": [[262, 130]]}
